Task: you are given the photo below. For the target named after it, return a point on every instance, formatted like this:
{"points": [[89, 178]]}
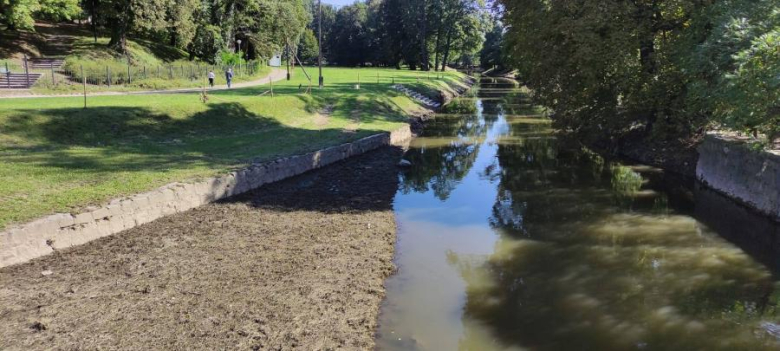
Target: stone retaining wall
{"points": [[63, 230], [752, 177]]}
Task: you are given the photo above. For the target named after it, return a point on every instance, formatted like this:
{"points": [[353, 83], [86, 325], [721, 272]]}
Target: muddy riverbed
{"points": [[297, 265]]}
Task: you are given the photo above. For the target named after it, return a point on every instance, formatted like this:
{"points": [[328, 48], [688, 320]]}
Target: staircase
{"points": [[17, 80], [46, 63]]}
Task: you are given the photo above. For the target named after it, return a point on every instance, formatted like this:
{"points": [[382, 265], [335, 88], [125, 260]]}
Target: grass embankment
{"points": [[56, 156], [152, 65]]}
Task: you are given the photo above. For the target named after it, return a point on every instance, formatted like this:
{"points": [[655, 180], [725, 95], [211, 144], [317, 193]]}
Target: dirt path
{"points": [[297, 265]]}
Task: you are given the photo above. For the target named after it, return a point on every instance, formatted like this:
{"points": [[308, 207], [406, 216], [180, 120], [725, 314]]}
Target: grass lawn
{"points": [[56, 156]]}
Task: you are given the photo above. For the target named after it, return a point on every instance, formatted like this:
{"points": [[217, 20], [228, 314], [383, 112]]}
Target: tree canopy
{"points": [[667, 67]]}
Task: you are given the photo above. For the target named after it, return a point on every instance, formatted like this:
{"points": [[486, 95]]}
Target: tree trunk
{"points": [[446, 58], [425, 64], [118, 40], [648, 17], [93, 18], [438, 46]]}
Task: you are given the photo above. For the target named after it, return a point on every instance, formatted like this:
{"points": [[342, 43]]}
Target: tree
{"points": [[182, 22], [491, 53], [733, 64], [664, 68], [206, 43], [21, 14], [124, 16], [350, 44], [308, 48]]}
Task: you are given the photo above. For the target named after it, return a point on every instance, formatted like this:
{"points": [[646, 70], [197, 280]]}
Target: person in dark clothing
{"points": [[229, 76]]}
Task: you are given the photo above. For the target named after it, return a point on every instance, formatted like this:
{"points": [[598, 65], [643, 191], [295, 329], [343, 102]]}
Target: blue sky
{"points": [[338, 2]]}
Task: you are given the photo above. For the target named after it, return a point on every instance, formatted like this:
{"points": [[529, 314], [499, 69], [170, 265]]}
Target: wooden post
{"points": [[144, 72], [108, 76], [129, 80], [85, 91], [7, 75], [26, 71], [271, 80], [51, 66], [377, 77]]}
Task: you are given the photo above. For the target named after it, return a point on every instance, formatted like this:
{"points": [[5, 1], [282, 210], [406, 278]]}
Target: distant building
{"points": [[275, 61]]}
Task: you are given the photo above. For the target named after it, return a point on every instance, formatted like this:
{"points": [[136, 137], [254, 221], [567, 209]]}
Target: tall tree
{"points": [[21, 14]]}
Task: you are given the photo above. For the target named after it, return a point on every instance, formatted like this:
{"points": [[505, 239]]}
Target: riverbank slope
{"points": [[299, 264]]}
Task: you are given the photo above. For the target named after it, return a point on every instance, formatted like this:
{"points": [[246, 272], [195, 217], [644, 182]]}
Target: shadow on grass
{"points": [[371, 101], [130, 139]]}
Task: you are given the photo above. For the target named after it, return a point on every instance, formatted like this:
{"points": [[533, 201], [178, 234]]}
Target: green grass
{"points": [[56, 156]]}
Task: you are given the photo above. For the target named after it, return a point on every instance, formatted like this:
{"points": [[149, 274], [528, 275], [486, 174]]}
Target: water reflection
{"points": [[512, 239]]}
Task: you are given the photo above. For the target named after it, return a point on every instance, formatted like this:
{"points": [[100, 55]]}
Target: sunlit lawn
{"points": [[56, 156]]}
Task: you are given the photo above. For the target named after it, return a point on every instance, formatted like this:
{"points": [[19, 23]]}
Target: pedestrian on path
{"points": [[229, 76], [211, 78]]}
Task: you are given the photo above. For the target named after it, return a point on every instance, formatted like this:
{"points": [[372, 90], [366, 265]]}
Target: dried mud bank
{"points": [[728, 165], [63, 230], [299, 264]]}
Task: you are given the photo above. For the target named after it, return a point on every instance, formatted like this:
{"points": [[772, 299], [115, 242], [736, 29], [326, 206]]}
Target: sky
{"points": [[338, 2]]}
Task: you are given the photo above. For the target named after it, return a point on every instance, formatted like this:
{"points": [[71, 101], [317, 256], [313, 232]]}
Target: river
{"points": [[512, 239]]}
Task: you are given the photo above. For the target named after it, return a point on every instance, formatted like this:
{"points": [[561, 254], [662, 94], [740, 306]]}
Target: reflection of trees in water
{"points": [[441, 167], [574, 269]]}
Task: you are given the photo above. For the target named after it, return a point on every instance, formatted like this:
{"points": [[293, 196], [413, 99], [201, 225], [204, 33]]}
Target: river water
{"points": [[512, 239]]}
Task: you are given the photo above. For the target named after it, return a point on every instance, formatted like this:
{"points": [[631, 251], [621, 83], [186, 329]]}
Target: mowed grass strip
{"points": [[56, 156]]}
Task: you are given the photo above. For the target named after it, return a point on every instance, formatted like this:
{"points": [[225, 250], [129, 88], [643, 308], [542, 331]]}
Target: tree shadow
{"points": [[131, 139]]}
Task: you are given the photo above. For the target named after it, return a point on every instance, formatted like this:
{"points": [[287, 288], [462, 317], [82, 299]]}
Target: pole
{"points": [[26, 71], [287, 47], [271, 81], [129, 80], [51, 66], [319, 58], [85, 90], [7, 75], [108, 76]]}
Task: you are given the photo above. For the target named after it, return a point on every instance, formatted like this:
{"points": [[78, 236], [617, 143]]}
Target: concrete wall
{"points": [[63, 230], [729, 166]]}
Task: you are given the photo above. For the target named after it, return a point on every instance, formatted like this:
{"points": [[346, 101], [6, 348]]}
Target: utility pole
{"points": [[319, 58], [289, 57]]}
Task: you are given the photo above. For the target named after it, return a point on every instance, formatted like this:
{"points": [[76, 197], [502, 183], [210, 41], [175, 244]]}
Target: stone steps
{"points": [[46, 63], [17, 80], [417, 96]]}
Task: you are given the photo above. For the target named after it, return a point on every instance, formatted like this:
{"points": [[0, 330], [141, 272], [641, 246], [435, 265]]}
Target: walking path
{"points": [[275, 75]]}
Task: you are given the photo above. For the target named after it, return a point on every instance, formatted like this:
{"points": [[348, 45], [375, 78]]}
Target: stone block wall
{"points": [[62, 230], [729, 166]]}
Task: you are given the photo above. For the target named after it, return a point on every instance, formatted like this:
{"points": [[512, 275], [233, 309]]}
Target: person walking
{"points": [[229, 76], [211, 78]]}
